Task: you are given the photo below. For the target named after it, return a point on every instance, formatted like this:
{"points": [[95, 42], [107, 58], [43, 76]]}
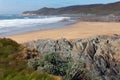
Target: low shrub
{"points": [[13, 66], [8, 46], [57, 64]]}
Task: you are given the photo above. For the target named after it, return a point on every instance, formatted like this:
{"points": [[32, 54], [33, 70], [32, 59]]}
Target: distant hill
{"points": [[100, 9]]}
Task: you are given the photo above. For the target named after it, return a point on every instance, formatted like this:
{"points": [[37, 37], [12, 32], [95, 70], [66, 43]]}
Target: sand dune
{"points": [[78, 30]]}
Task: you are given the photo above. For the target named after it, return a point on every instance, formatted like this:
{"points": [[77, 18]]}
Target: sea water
{"points": [[17, 24]]}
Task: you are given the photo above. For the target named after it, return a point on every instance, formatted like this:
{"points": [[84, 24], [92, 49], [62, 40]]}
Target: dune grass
{"points": [[13, 66]]}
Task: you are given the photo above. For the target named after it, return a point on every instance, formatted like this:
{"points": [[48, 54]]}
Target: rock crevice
{"points": [[101, 54]]}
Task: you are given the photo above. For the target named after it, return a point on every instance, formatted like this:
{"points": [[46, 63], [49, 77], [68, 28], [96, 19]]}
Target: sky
{"points": [[18, 6]]}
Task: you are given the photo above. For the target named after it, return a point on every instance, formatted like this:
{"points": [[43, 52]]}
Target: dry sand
{"points": [[78, 30]]}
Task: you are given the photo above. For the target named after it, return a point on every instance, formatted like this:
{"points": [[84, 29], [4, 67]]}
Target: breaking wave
{"points": [[28, 22]]}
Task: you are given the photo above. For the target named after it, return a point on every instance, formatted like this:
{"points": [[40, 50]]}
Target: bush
{"points": [[8, 46], [13, 66], [57, 64], [77, 72], [51, 63]]}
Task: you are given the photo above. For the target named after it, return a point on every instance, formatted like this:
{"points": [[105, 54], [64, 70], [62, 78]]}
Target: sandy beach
{"points": [[78, 30]]}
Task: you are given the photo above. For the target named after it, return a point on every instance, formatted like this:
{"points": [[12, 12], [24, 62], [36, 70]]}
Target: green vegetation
{"points": [[51, 63], [13, 65], [60, 65], [33, 76], [7, 47]]}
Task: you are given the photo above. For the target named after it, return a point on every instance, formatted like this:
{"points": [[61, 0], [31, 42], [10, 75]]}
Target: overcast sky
{"points": [[18, 6]]}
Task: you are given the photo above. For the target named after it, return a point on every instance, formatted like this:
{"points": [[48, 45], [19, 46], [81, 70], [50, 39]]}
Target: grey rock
{"points": [[100, 54]]}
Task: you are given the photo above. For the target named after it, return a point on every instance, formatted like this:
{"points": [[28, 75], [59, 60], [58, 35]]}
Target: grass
{"points": [[14, 67], [32, 76]]}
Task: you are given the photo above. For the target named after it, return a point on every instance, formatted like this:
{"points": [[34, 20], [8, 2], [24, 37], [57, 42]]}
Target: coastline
{"points": [[74, 31]]}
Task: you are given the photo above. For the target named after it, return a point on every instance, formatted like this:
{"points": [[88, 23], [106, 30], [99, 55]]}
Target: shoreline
{"points": [[74, 31]]}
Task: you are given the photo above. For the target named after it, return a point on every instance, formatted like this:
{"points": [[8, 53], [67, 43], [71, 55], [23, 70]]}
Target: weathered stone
{"points": [[100, 54]]}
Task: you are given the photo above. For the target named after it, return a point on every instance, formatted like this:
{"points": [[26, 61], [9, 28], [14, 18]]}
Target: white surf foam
{"points": [[27, 22]]}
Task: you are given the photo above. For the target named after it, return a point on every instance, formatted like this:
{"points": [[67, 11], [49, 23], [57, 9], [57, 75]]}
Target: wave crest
{"points": [[27, 21]]}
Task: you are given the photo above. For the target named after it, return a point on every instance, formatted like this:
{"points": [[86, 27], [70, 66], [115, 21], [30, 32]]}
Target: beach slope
{"points": [[78, 30]]}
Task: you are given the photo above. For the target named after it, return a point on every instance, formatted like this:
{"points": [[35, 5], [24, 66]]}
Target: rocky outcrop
{"points": [[100, 54]]}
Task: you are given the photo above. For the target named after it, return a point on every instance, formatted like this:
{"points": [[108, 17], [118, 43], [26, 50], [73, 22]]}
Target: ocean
{"points": [[17, 24]]}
